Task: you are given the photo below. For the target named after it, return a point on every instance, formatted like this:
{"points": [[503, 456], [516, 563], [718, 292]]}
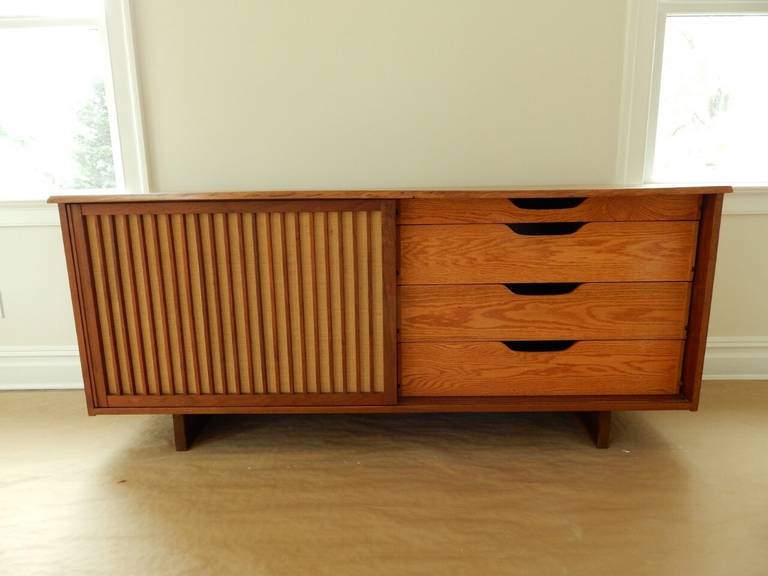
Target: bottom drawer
{"points": [[540, 368]]}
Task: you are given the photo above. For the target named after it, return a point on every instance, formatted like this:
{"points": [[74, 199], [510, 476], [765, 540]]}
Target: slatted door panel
{"points": [[243, 303]]}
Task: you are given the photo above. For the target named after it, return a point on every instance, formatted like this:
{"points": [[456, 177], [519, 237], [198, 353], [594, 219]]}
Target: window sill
{"points": [[28, 214], [747, 200]]}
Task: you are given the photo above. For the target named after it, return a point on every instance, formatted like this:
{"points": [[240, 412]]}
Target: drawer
{"points": [[506, 210], [601, 311], [614, 367], [551, 252]]}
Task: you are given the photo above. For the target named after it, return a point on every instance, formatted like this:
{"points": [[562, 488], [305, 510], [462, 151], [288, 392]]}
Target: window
{"points": [[712, 119], [695, 98], [58, 118]]}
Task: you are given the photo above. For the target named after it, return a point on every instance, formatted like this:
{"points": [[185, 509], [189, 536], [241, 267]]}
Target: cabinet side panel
{"points": [[77, 307], [701, 297], [92, 348]]}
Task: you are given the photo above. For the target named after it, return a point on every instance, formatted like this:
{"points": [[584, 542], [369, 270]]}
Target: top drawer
{"points": [[593, 209]]}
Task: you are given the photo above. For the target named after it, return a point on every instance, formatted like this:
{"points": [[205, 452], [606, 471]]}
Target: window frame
{"points": [[641, 87], [123, 101]]}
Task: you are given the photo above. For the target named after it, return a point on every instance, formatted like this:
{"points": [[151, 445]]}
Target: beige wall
{"points": [[374, 93], [740, 300], [244, 94], [34, 288]]}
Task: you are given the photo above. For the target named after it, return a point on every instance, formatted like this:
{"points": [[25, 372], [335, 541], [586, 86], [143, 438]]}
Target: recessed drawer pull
{"points": [[546, 203], [539, 345], [546, 229], [543, 289]]}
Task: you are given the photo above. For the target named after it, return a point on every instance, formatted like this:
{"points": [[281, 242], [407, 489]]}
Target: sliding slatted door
{"points": [[238, 303]]}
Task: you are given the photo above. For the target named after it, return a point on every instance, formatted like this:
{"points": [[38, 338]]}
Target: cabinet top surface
{"points": [[399, 194]]}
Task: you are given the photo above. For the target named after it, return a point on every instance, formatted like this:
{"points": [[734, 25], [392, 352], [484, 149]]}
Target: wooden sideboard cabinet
{"points": [[586, 300]]}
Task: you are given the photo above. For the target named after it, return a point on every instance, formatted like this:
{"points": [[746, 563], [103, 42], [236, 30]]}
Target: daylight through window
{"points": [[712, 121], [55, 131]]}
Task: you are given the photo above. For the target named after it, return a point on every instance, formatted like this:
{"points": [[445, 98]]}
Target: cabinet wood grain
{"points": [[600, 311], [350, 194], [587, 367], [392, 301], [596, 252], [267, 306], [593, 209]]}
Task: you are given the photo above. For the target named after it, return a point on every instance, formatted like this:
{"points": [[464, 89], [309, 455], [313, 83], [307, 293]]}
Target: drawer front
{"points": [[592, 252], [584, 368], [603, 311], [594, 209]]}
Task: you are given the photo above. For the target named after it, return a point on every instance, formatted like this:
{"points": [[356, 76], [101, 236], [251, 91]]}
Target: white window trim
{"points": [[124, 100], [644, 40], [127, 98]]}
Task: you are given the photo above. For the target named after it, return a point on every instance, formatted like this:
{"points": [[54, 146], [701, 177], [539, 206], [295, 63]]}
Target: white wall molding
{"points": [[23, 214], [736, 358], [127, 118], [746, 200], [39, 368], [58, 367], [635, 98]]}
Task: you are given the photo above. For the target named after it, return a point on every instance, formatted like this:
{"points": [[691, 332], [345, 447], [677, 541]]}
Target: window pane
{"points": [[713, 104], [51, 8], [54, 123]]}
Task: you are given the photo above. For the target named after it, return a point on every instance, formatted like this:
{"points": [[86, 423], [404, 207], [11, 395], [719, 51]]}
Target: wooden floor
{"points": [[676, 493]]}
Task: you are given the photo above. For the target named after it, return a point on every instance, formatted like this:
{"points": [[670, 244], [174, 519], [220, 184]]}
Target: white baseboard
{"points": [[39, 368], [58, 367], [736, 358]]}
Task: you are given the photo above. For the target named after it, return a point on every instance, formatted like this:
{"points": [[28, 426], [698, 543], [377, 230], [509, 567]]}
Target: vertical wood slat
{"points": [[162, 331], [280, 318], [117, 305], [240, 305], [103, 303], [125, 263], [226, 301], [267, 285], [199, 304], [172, 307], [212, 298], [362, 286], [296, 299], [369, 286], [308, 282], [149, 340], [337, 306], [246, 303], [380, 344], [191, 364], [351, 282], [284, 305], [324, 306], [255, 312]]}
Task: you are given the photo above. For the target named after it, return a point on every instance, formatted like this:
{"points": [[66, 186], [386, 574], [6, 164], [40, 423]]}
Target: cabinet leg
{"points": [[185, 428], [599, 427]]}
